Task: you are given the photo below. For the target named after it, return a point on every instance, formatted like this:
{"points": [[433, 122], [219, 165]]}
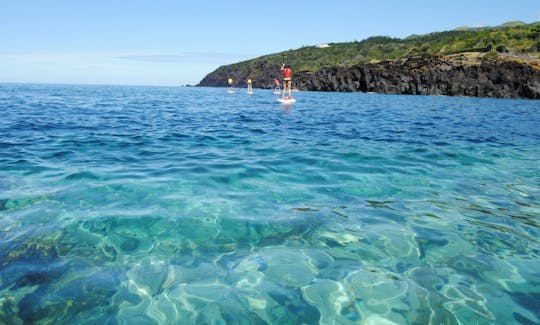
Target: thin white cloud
{"points": [[44, 57], [216, 58], [208, 58], [112, 67]]}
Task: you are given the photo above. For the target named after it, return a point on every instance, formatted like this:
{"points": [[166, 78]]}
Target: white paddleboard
{"points": [[286, 100], [250, 93], [230, 91], [277, 92]]}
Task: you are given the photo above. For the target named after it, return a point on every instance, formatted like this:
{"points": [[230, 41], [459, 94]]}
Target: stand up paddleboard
{"points": [[250, 93], [277, 92], [286, 100], [230, 91]]}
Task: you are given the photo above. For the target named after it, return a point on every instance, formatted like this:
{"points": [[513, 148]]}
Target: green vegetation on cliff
{"points": [[511, 38]]}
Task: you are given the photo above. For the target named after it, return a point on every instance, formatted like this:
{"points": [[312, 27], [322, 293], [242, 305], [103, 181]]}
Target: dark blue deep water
{"points": [[154, 205]]}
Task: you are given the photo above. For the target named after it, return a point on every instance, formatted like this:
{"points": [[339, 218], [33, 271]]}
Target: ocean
{"points": [[188, 205]]}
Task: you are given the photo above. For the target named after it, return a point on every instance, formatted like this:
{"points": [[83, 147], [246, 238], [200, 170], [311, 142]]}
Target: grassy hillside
{"points": [[511, 38]]}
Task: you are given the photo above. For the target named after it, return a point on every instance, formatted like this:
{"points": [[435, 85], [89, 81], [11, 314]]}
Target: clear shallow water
{"points": [[133, 205]]}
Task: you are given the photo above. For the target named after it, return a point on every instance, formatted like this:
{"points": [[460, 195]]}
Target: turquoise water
{"points": [[149, 205]]}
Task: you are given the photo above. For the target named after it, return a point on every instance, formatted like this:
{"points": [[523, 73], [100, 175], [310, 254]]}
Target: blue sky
{"points": [[165, 42]]}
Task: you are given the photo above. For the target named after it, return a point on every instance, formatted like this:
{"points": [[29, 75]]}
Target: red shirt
{"points": [[287, 73]]}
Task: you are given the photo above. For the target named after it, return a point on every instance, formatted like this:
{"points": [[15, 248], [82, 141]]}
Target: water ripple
{"points": [[167, 205]]}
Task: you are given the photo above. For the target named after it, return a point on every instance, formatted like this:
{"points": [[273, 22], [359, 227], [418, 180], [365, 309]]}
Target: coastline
{"points": [[463, 74]]}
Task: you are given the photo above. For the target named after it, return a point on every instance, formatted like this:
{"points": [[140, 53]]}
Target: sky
{"points": [[173, 43]]}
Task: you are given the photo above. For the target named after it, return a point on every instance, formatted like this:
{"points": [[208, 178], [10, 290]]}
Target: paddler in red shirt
{"points": [[287, 76]]}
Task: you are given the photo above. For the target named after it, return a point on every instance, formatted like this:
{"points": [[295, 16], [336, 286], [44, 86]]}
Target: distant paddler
{"points": [[230, 81], [249, 87], [277, 89]]}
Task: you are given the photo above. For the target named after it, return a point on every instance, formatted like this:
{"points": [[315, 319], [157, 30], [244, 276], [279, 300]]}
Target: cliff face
{"points": [[452, 76], [457, 75]]}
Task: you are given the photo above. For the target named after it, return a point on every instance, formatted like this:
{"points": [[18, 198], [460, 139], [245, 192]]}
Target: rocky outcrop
{"points": [[262, 73], [466, 74]]}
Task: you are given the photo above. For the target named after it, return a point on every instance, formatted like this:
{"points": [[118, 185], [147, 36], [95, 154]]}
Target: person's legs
{"points": [[289, 87]]}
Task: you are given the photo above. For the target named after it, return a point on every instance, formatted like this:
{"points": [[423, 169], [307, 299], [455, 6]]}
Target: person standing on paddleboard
{"points": [[287, 76], [230, 81], [250, 89]]}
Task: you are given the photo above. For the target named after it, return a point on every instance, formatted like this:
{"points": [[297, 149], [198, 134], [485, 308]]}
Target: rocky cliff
{"points": [[465, 74]]}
